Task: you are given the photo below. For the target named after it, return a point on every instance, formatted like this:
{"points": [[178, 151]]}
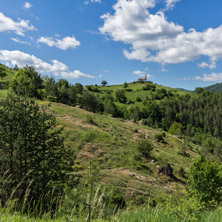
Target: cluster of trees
{"points": [[33, 159], [200, 112], [205, 182], [197, 112]]}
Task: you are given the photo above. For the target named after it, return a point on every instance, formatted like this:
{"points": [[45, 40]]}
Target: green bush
{"points": [[205, 181], [176, 128], [149, 86], [160, 137], [145, 147], [138, 99], [120, 95]]}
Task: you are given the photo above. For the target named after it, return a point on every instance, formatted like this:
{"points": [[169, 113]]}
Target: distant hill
{"points": [[186, 90], [216, 88]]}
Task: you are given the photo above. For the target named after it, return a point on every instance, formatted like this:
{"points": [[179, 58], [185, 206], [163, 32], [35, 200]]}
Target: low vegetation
{"points": [[131, 152]]}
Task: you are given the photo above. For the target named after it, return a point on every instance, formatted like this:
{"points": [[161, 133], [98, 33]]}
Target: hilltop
{"points": [[215, 88], [132, 144], [111, 143]]}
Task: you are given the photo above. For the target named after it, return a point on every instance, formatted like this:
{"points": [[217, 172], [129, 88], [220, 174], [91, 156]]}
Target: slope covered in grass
{"points": [[111, 144], [215, 88]]}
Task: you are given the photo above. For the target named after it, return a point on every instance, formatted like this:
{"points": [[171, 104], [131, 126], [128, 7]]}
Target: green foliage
{"points": [[93, 88], [2, 71], [104, 82], [149, 86], [205, 181], [33, 158], [138, 99], [120, 95], [109, 106], [145, 147], [27, 82], [90, 102], [160, 94], [182, 172], [160, 137], [186, 209], [79, 88], [91, 120], [215, 88], [176, 128], [125, 85], [51, 90]]}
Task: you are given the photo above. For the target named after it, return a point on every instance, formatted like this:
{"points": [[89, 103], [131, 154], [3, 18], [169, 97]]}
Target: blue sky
{"points": [[176, 43]]}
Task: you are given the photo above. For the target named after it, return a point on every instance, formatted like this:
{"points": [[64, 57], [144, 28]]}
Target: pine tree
{"points": [[32, 151]]}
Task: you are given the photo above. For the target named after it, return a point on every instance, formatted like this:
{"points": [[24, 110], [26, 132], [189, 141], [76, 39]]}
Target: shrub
{"points": [[120, 95], [145, 147], [90, 102], [176, 128], [125, 85], [160, 137], [149, 86], [182, 172], [205, 181], [138, 99]]}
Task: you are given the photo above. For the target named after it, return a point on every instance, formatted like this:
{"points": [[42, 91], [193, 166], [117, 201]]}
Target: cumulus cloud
{"points": [[152, 38], [27, 5], [20, 41], [206, 65], [141, 73], [170, 3], [57, 68], [64, 44], [213, 77], [20, 27], [138, 72]]}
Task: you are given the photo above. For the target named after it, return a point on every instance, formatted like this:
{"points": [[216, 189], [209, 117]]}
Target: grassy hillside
{"points": [[108, 147], [216, 88], [112, 145], [6, 80]]}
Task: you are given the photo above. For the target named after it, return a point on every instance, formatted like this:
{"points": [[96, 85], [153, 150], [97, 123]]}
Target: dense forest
{"points": [[191, 113]]}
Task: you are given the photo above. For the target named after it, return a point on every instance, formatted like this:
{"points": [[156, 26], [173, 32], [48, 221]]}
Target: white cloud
{"points": [[64, 44], [185, 79], [213, 77], [138, 72], [27, 5], [100, 76], [142, 74], [152, 38], [86, 2], [98, 1], [7, 24], [170, 3], [57, 68], [212, 65], [20, 41], [164, 70]]}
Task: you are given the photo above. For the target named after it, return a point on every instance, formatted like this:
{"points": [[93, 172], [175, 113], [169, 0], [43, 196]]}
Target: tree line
{"points": [[199, 112]]}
